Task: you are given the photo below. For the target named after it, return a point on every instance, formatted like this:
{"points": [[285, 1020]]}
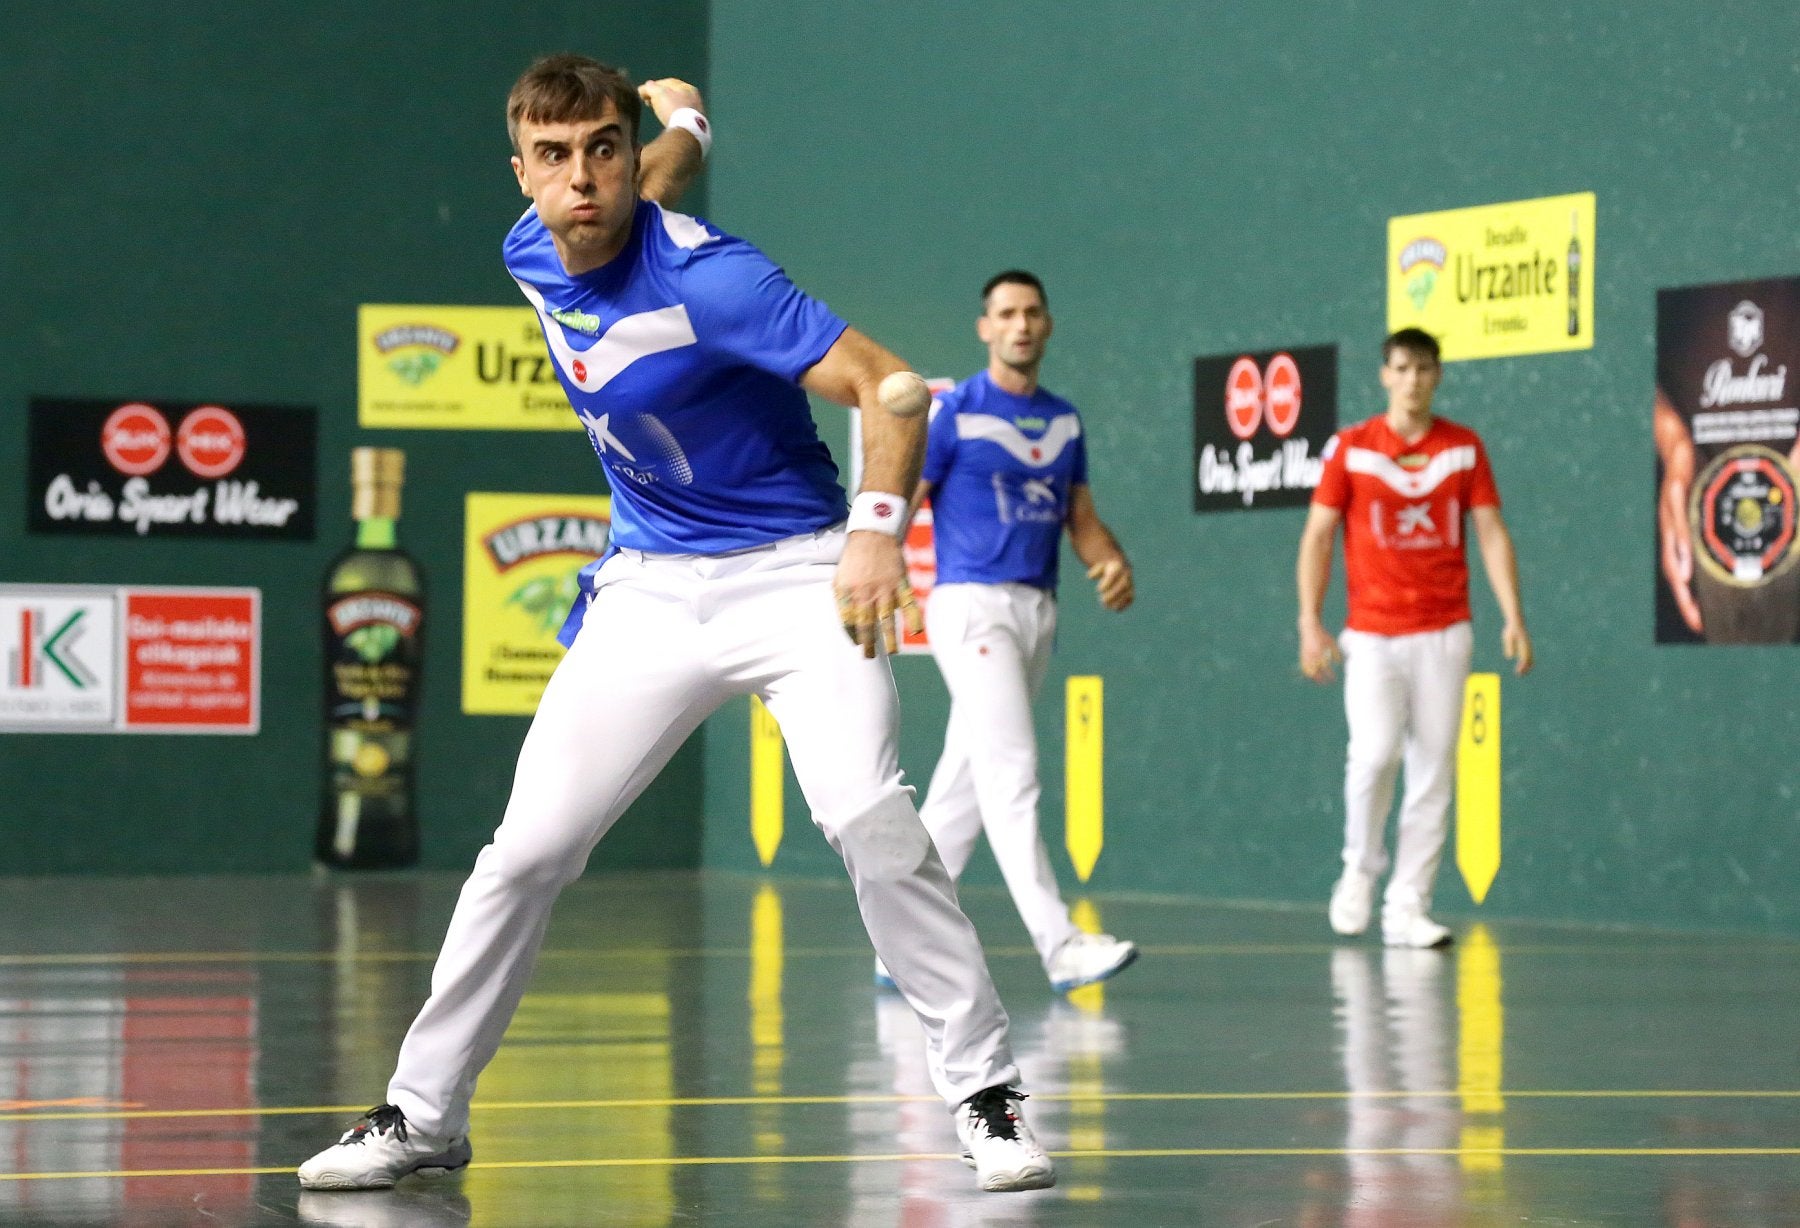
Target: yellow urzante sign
{"points": [[460, 368], [521, 556], [1496, 280]]}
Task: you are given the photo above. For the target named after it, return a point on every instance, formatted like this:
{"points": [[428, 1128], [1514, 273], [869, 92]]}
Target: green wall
{"points": [[1192, 178], [193, 206]]}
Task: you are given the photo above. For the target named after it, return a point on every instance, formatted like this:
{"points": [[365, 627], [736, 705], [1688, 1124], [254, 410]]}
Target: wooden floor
{"points": [[710, 1050]]}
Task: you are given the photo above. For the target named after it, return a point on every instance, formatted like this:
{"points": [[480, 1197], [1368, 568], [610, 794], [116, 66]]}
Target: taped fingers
{"points": [[884, 614], [908, 605]]}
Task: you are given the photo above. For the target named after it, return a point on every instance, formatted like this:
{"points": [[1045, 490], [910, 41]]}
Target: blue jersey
{"points": [[1002, 470], [682, 356]]}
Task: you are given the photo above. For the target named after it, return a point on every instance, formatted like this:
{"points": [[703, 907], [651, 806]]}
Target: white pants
{"points": [[665, 641], [993, 643], [1403, 697]]}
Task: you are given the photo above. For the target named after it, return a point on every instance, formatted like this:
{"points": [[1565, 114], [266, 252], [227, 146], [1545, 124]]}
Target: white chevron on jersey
{"points": [[629, 339], [684, 230], [1063, 430], [1411, 485]]}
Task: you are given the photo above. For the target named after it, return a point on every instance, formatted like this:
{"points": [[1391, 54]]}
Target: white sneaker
{"points": [[1407, 925], [1086, 958], [998, 1144], [883, 978], [378, 1151], [1351, 902]]}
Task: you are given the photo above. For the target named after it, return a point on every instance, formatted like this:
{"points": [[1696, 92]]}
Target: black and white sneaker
{"points": [[379, 1150], [998, 1144]]}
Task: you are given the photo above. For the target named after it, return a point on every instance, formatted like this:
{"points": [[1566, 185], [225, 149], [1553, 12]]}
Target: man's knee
{"points": [[1373, 758], [534, 865], [887, 840]]}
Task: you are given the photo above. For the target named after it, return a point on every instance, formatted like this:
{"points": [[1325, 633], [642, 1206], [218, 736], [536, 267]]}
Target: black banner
{"points": [[1727, 431], [1261, 421], [165, 469]]}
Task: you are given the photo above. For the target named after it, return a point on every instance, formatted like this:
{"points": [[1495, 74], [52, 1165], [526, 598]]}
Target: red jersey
{"points": [[1403, 507]]}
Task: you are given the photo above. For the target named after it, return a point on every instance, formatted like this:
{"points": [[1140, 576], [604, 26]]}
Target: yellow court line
{"points": [[691, 1102], [1123, 1153], [139, 958]]}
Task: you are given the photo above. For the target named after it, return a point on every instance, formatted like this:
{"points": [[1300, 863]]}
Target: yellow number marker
{"points": [[1084, 800], [767, 768], [1478, 785]]}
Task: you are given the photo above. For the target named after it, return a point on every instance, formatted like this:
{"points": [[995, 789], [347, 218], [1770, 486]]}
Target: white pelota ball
{"points": [[904, 394]]}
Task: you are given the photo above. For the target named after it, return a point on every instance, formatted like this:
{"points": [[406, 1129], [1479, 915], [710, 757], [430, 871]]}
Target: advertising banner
{"points": [[1727, 431], [1492, 281], [1261, 421], [169, 469], [456, 368], [521, 556], [90, 658]]}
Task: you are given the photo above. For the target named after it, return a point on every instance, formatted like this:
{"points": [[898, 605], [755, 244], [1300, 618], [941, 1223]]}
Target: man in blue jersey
{"points": [[735, 568], [1006, 472]]}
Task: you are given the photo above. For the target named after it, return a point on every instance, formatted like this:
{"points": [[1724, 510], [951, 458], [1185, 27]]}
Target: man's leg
{"points": [[1375, 707], [608, 722], [1439, 671], [992, 644], [951, 812]]}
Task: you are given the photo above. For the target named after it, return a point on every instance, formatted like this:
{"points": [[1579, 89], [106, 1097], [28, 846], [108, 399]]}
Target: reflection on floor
{"points": [[709, 1049]]}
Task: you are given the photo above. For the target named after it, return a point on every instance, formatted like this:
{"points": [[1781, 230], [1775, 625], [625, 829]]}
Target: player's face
{"points": [[1015, 326], [1411, 380], [582, 175]]}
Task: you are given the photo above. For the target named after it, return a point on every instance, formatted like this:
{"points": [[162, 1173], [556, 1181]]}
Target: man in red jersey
{"points": [[1401, 484]]}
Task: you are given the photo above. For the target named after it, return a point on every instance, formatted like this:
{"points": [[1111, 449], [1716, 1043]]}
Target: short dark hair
{"points": [[1414, 341], [1014, 277], [559, 89]]}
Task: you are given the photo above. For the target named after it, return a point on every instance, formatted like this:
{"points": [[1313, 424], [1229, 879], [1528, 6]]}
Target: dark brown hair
{"points": [[1014, 277], [1413, 340], [560, 89]]}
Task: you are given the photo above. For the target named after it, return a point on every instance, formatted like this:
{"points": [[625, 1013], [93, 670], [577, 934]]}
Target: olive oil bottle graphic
{"points": [[1574, 278], [374, 604]]}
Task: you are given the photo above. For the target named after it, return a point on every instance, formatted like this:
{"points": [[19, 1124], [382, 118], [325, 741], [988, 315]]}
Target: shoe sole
{"points": [[1440, 944], [1066, 986], [337, 1181], [1025, 1179]]}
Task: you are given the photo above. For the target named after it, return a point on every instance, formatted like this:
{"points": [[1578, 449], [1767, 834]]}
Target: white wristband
{"points": [[881, 512], [692, 121]]}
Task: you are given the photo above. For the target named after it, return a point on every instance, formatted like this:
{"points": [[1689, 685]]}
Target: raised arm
{"points": [[673, 160], [1675, 447], [1503, 577], [1312, 576], [1096, 547], [871, 576]]}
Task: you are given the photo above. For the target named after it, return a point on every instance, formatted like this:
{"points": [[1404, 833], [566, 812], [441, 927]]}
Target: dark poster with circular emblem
{"points": [[1727, 429]]}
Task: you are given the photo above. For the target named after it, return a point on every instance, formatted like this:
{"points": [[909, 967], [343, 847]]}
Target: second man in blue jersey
{"points": [[1006, 472]]}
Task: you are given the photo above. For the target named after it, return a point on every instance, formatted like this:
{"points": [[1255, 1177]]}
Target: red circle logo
{"points": [[135, 439], [580, 370], [210, 442], [884, 509], [1282, 394], [1243, 397]]}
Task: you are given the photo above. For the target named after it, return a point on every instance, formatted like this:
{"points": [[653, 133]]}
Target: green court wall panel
{"points": [[1199, 178], [196, 205]]}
